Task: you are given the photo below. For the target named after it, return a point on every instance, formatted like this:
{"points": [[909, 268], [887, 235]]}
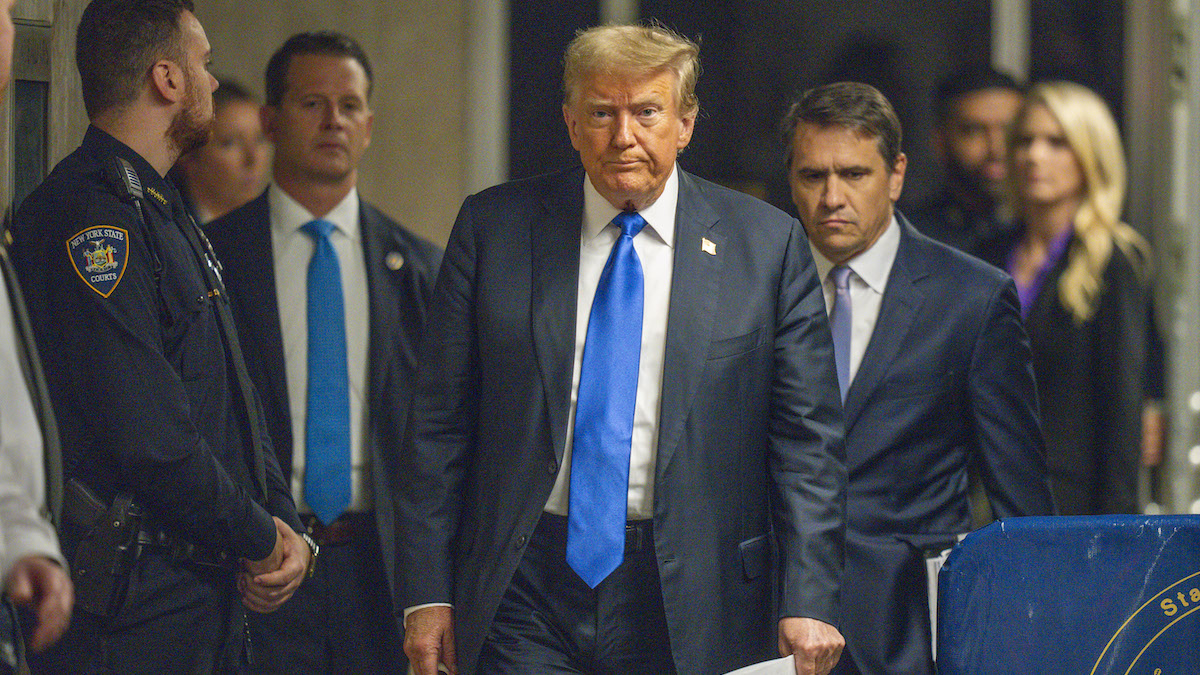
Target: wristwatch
{"points": [[312, 559]]}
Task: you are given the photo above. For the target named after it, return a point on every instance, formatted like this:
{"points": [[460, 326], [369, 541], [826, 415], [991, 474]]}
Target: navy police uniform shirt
{"points": [[140, 375]]}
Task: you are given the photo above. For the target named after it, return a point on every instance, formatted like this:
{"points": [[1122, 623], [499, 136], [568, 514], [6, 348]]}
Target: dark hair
{"points": [[967, 81], [313, 42], [853, 105], [117, 42], [231, 91]]}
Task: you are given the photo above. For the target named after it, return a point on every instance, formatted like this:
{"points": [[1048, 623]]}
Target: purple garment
{"points": [[1028, 293]]}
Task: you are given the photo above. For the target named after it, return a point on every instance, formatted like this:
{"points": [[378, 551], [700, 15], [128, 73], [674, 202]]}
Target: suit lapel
{"points": [[901, 301], [252, 267], [383, 304], [554, 292], [694, 284]]}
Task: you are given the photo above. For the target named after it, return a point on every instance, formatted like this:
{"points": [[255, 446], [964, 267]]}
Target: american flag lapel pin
{"points": [[708, 246]]}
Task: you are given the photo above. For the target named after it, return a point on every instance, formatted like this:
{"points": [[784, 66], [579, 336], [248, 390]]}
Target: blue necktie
{"points": [[840, 317], [604, 413], [327, 431]]}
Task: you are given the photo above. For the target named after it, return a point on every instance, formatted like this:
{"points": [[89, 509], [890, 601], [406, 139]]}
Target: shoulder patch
{"points": [[98, 255]]}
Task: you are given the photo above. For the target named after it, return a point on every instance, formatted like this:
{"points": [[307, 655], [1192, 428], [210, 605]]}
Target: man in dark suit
{"points": [[624, 452], [934, 365], [318, 86], [974, 109]]}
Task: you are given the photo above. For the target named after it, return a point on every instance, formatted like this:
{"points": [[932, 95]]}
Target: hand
{"points": [[267, 591], [429, 639], [816, 644], [42, 585]]}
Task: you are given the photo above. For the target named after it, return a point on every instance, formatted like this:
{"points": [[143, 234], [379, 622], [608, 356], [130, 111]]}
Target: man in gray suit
{"points": [[625, 445]]}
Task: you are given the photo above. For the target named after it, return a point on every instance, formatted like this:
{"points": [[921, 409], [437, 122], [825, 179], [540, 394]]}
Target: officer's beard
{"points": [[190, 129]]}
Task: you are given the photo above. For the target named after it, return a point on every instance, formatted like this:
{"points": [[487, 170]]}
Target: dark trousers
{"points": [[177, 617], [339, 621], [549, 621]]}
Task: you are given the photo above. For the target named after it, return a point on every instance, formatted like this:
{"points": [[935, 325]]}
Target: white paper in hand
{"points": [[783, 666]]}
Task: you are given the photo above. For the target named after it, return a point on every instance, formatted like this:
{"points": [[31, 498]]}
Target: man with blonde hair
{"points": [[625, 452]]}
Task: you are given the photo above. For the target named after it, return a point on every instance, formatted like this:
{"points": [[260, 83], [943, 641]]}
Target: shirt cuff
{"points": [[410, 610], [35, 538]]}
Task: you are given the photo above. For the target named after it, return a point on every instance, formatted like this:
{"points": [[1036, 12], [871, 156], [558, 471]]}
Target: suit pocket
{"points": [[734, 345], [754, 556]]}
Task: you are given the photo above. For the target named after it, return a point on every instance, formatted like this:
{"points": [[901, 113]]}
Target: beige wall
{"points": [[415, 167], [67, 119]]}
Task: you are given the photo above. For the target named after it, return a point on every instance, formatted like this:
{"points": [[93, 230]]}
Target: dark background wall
{"points": [[758, 54]]}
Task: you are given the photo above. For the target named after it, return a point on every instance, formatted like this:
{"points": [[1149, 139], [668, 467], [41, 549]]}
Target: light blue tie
{"points": [[327, 431], [604, 413], [840, 318]]}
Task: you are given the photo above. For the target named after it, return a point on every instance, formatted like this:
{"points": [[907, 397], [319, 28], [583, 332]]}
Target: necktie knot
{"points": [[841, 277], [318, 229], [630, 222]]}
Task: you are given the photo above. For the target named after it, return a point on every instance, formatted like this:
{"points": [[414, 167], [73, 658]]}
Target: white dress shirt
{"points": [[655, 249], [23, 530], [293, 250], [869, 272]]}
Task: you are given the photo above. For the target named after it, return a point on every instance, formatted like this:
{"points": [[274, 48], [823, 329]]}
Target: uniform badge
{"points": [[99, 255]]}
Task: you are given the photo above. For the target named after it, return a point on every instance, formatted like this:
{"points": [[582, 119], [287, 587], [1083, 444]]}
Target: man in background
{"points": [[934, 368], [974, 109], [330, 296]]}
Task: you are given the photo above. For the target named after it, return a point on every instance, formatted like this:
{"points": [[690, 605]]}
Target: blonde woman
{"points": [[1081, 277]]}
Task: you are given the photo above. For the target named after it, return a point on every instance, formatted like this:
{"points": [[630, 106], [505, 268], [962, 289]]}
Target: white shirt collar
{"points": [[872, 265], [288, 215], [660, 216]]}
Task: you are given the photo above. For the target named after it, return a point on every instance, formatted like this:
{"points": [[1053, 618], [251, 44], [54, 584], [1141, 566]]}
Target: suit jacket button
{"points": [[552, 467], [521, 540]]}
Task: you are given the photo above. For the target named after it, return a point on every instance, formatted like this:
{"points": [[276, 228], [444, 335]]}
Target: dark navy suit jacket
{"points": [[398, 308], [749, 429], [946, 380]]}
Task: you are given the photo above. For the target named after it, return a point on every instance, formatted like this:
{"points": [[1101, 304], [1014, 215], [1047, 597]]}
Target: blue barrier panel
{"points": [[1089, 595]]}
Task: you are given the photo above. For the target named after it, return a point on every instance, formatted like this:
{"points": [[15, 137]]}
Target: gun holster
{"points": [[107, 548]]}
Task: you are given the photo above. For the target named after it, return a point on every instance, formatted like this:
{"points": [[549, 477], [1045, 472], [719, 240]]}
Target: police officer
{"points": [[171, 481]]}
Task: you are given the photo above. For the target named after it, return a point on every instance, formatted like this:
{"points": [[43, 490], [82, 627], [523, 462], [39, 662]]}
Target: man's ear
{"points": [[266, 117], [896, 177], [570, 121], [167, 81]]}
